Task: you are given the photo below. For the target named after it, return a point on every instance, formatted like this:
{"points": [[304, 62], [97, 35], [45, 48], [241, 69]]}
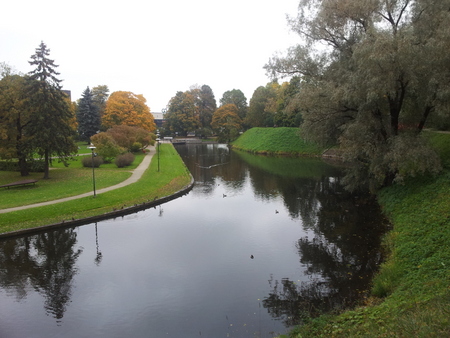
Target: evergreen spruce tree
{"points": [[52, 117], [88, 116]]}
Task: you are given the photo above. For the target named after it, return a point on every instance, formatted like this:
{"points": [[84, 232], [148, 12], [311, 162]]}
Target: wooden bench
{"points": [[18, 183]]}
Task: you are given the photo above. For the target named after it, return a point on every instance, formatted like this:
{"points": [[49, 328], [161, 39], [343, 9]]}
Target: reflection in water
{"points": [[99, 256], [340, 258], [44, 262], [341, 252], [189, 270]]}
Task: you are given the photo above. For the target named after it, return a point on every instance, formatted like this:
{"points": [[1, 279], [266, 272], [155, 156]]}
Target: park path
{"points": [[135, 176]]}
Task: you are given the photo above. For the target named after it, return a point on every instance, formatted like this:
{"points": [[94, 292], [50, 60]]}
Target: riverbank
{"points": [[411, 293], [276, 141], [154, 187]]}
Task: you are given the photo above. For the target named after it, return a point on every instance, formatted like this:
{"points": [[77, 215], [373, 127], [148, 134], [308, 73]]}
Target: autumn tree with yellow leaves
{"points": [[226, 122], [127, 108]]}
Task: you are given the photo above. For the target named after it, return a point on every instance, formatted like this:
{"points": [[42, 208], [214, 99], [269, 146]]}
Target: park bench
{"points": [[18, 183]]}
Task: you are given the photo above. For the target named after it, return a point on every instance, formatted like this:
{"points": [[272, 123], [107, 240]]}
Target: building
{"points": [[159, 119]]}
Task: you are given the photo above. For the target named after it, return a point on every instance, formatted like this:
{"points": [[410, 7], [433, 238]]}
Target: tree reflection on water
{"points": [[342, 250], [44, 262], [339, 259]]}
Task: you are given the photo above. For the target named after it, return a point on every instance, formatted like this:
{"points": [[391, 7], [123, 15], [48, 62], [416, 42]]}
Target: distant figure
{"points": [[276, 211], [224, 195], [251, 256]]}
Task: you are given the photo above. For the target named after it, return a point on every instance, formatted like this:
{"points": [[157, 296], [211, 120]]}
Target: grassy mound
{"points": [[276, 141]]}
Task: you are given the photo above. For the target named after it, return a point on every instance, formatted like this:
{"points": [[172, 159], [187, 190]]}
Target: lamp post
{"points": [[157, 140], [92, 147]]}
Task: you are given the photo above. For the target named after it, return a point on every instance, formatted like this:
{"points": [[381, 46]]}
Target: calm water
{"points": [[184, 269]]}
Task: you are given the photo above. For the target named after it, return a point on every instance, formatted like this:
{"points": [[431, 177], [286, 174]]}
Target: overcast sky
{"points": [[154, 48]]}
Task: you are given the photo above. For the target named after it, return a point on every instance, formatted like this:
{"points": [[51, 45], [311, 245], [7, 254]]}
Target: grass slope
{"points": [[276, 141], [412, 290], [172, 177]]}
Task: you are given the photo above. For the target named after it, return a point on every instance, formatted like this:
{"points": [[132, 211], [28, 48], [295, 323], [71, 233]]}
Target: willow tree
{"points": [[372, 74], [52, 115]]}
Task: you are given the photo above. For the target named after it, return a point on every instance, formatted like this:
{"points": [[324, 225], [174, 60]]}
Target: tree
{"points": [[127, 137], [236, 97], [52, 115], [288, 113], [374, 87], [206, 106], [14, 119], [263, 106], [99, 97], [129, 109], [226, 122], [106, 146], [88, 116], [182, 116]]}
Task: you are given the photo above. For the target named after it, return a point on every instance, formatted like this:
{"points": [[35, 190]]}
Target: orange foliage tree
{"points": [[126, 108], [226, 122]]}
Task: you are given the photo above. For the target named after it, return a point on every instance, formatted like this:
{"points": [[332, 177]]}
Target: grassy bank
{"points": [[172, 177], [411, 293], [276, 141]]}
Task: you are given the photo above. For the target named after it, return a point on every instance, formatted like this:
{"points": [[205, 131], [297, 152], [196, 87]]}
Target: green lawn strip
{"points": [[83, 148], [172, 177], [63, 182], [282, 141]]}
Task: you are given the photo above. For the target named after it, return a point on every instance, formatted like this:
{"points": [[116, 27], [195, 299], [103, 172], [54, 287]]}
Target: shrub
{"points": [[137, 146], [86, 161], [36, 166], [9, 166], [106, 146], [127, 136], [124, 160]]}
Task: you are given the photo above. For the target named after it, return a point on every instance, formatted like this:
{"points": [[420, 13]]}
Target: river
{"points": [[257, 245]]}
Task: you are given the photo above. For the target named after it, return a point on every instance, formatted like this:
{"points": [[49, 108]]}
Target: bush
{"points": [[36, 166], [107, 148], [86, 161], [9, 166], [137, 146], [124, 160]]}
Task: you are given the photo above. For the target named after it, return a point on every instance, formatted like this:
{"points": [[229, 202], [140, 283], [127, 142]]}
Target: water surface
{"points": [[184, 269]]}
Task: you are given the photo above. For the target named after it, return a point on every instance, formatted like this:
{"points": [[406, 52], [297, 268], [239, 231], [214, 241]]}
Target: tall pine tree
{"points": [[52, 117], [88, 116]]}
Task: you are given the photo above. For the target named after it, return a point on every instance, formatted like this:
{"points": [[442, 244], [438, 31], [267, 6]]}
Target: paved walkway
{"points": [[135, 176]]}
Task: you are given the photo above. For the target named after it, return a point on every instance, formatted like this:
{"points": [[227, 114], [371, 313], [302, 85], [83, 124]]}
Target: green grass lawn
{"points": [[63, 182], [281, 141], [172, 177]]}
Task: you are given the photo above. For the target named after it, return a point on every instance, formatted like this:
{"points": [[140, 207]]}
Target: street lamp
{"points": [[157, 140], [92, 147]]}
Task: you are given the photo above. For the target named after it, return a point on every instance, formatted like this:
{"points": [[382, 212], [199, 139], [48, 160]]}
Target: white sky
{"points": [[154, 48]]}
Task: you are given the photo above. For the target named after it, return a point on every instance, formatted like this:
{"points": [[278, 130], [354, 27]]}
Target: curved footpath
{"points": [[135, 176]]}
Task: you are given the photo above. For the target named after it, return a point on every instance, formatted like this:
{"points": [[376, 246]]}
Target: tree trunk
{"points": [[21, 155], [46, 165], [424, 118]]}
